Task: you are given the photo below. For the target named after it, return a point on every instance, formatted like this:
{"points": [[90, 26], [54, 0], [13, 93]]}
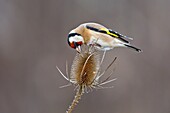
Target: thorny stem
{"points": [[76, 99]]}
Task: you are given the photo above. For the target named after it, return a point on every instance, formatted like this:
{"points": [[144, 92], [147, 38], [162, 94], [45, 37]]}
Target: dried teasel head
{"points": [[85, 73], [86, 69]]}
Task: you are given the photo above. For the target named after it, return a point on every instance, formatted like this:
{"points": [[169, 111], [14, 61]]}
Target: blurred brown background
{"points": [[33, 40]]}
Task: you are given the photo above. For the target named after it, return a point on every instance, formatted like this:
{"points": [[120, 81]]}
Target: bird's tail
{"points": [[133, 47]]}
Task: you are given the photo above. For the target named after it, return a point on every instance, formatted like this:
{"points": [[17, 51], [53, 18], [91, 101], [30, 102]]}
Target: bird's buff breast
{"points": [[100, 44]]}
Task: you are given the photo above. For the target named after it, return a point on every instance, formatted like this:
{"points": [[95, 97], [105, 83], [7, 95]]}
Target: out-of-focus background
{"points": [[33, 40]]}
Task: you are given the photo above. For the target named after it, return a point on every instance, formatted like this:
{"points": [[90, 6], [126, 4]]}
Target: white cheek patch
{"points": [[76, 38]]}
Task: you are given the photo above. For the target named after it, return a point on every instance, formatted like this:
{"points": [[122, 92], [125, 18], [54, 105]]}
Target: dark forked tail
{"points": [[133, 47]]}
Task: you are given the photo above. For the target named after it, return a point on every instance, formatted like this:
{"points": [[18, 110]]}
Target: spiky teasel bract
{"points": [[86, 73]]}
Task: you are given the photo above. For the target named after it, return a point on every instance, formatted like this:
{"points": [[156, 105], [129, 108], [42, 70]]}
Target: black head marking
{"points": [[73, 34]]}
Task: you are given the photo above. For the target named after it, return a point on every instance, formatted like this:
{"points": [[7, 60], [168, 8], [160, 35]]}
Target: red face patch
{"points": [[76, 44], [79, 43], [72, 45]]}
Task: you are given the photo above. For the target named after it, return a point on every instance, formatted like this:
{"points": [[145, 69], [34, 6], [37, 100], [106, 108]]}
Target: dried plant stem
{"points": [[77, 97]]}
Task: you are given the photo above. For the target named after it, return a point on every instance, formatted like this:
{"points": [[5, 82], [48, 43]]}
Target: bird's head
{"points": [[75, 40]]}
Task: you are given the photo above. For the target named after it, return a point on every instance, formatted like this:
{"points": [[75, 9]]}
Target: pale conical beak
{"points": [[78, 49]]}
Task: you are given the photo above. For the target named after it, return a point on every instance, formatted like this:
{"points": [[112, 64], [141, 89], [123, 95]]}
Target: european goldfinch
{"points": [[99, 36]]}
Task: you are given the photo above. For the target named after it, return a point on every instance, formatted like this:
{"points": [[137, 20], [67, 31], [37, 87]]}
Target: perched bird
{"points": [[99, 36]]}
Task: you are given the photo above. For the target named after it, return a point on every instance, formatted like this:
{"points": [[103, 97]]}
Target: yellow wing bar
{"points": [[113, 34], [109, 33]]}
